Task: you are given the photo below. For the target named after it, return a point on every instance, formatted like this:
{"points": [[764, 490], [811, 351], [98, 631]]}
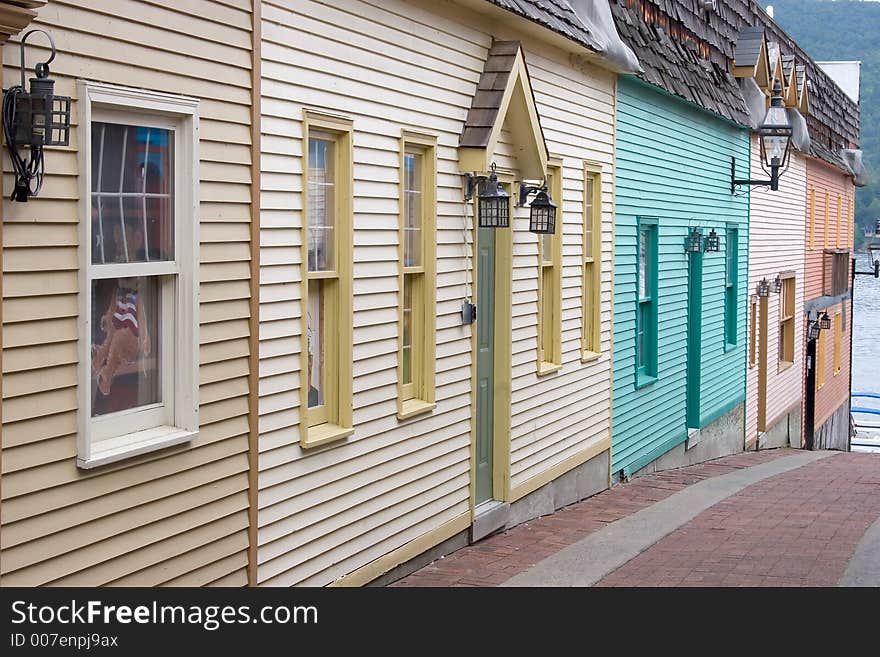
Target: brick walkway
{"points": [[799, 528], [496, 559]]}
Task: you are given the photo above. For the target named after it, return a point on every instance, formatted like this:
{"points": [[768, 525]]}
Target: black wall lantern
{"points": [[777, 284], [774, 135], [813, 329], [493, 204], [713, 242], [34, 119], [542, 211], [693, 243], [824, 322], [763, 288]]}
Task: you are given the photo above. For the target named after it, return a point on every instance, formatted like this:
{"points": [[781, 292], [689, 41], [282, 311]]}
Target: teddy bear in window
{"points": [[126, 338]]}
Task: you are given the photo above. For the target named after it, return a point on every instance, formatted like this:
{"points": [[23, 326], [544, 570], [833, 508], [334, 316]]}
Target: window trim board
{"points": [[182, 113], [339, 424]]}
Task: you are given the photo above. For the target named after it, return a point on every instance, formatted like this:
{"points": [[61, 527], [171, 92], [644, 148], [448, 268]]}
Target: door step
{"points": [[489, 517]]}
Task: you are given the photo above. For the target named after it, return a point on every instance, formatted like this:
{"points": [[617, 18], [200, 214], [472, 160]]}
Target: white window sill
{"points": [[133, 444]]}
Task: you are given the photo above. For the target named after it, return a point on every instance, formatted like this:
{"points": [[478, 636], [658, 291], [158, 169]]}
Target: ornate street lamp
{"points": [[542, 210], [763, 288], [774, 135], [777, 284]]}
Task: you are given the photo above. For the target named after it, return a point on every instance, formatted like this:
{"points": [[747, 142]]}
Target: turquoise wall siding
{"points": [[673, 164]]}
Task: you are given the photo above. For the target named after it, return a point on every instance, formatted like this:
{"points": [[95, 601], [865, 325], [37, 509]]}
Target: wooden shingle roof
{"points": [[483, 113], [556, 15], [748, 46], [684, 67]]}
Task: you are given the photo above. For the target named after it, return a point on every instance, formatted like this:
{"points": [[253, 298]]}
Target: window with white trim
{"points": [[138, 302]]}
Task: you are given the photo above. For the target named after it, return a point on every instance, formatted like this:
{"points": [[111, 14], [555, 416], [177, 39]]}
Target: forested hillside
{"points": [[845, 30]]}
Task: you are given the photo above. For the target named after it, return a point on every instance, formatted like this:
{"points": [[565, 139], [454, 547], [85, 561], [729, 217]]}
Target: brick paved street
{"points": [[795, 528]]}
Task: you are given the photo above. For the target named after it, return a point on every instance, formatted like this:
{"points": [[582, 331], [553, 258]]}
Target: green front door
{"points": [[485, 362], [695, 338]]}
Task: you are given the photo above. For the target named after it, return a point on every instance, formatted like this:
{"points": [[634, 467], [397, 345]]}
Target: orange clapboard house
{"points": [[833, 121]]}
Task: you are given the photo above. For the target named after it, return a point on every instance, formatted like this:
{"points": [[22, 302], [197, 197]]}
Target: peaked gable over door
{"points": [[504, 92]]}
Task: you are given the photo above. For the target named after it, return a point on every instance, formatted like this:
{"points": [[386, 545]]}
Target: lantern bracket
{"points": [[471, 181], [41, 69], [526, 190], [735, 182]]}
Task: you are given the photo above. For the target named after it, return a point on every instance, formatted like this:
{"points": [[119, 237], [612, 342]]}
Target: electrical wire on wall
{"points": [[468, 253], [28, 172], [33, 118]]}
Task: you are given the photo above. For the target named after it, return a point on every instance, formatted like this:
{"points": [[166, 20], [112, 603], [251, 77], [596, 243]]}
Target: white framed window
{"points": [[138, 288]]}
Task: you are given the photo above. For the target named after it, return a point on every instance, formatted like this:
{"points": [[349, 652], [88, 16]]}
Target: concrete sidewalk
{"points": [[770, 518]]}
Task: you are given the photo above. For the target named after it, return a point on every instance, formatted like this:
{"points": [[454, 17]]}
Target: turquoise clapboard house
{"points": [[679, 318]]}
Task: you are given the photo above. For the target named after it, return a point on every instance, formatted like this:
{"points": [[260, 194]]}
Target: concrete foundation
{"points": [[835, 431], [448, 546], [720, 438], [786, 430], [575, 485]]}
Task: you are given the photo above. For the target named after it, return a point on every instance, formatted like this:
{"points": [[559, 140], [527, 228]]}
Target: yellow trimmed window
{"points": [[821, 346], [417, 280], [786, 321], [550, 282], [838, 334], [327, 334], [590, 329], [753, 333]]}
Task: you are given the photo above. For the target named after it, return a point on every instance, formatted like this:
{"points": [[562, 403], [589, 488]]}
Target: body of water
{"points": [[866, 343]]}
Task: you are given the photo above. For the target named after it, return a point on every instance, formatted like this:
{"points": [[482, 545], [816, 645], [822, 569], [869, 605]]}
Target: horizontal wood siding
{"points": [[673, 164], [177, 516], [325, 512], [557, 416], [826, 180], [776, 245], [835, 391]]}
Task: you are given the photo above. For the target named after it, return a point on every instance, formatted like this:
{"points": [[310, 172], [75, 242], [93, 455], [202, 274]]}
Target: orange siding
{"points": [[828, 182]]}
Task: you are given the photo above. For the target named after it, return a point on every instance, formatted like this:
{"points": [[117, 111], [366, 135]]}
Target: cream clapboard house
{"points": [[131, 471], [248, 183], [367, 107]]}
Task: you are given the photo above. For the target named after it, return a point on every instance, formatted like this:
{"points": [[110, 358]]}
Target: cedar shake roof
{"points": [[483, 114], [683, 66], [556, 15], [748, 46], [787, 65], [833, 121], [689, 53]]}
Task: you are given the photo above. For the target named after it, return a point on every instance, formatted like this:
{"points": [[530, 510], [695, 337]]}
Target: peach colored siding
{"points": [[832, 184]]}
